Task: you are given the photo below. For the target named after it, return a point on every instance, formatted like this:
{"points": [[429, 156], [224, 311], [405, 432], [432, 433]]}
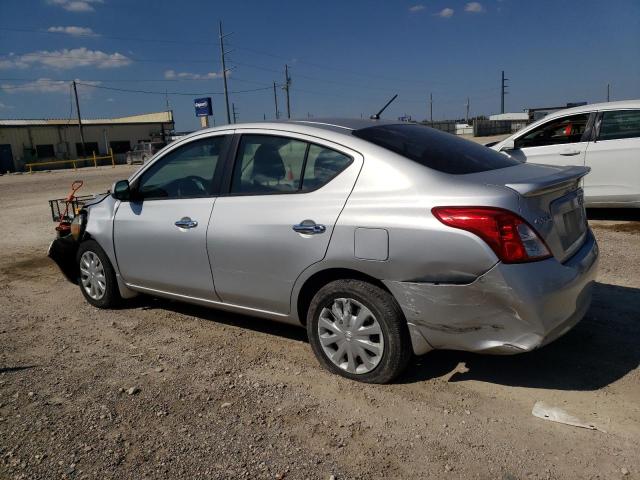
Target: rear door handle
{"points": [[569, 153], [309, 227], [186, 222]]}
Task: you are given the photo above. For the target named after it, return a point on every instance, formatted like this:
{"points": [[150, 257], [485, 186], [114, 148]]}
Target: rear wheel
{"points": [[97, 279], [357, 330]]}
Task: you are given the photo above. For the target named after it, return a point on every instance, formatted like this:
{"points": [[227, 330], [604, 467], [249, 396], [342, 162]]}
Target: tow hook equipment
{"points": [[63, 210]]}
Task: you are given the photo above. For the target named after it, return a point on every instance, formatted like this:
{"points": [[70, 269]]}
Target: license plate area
{"points": [[570, 219]]}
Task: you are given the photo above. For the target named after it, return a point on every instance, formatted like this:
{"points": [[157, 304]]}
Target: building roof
{"points": [[510, 116], [154, 117]]}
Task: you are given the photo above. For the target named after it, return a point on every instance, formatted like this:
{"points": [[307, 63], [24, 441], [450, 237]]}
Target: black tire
{"points": [[397, 351], [111, 297]]}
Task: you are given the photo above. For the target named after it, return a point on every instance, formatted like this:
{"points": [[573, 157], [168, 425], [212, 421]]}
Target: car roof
{"points": [[623, 104], [342, 126]]}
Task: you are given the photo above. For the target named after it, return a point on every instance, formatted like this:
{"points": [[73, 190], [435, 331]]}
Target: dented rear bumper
{"points": [[510, 309]]}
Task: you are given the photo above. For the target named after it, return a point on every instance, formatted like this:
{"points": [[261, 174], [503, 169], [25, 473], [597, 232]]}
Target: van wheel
{"points": [[97, 279], [357, 330]]}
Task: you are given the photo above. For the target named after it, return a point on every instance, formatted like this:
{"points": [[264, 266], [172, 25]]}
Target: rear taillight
{"points": [[511, 238]]}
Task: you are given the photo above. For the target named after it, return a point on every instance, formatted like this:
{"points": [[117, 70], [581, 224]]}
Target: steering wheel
{"points": [[192, 184]]}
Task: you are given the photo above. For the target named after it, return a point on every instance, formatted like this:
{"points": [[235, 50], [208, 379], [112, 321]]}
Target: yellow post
{"points": [[74, 164], [95, 163], [113, 161], [30, 168]]}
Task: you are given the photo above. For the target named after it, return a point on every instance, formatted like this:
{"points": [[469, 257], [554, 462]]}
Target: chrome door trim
{"points": [[206, 301]]}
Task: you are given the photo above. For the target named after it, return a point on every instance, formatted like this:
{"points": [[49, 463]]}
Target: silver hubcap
{"points": [[92, 275], [351, 336]]}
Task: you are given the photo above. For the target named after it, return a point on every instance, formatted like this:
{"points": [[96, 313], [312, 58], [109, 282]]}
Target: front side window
{"points": [[269, 164], [620, 124], [186, 172], [556, 132]]}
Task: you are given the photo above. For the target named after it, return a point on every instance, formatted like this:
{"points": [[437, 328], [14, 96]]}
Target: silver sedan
{"points": [[385, 240]]}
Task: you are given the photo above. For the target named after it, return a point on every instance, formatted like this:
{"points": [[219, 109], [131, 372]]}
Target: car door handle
{"points": [[186, 222], [569, 153], [309, 227]]}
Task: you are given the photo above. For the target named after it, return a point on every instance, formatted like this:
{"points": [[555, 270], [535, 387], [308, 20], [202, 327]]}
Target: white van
{"points": [[603, 136]]}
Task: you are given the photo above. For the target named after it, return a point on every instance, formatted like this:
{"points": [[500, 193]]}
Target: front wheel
{"points": [[357, 330], [97, 279]]}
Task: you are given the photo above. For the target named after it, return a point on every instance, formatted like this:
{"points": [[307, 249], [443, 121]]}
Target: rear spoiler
{"points": [[550, 183]]}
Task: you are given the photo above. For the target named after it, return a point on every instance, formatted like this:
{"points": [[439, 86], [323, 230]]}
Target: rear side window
{"points": [[620, 124], [435, 149], [268, 164]]}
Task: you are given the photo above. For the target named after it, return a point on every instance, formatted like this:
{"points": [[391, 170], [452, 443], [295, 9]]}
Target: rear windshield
{"points": [[435, 149]]}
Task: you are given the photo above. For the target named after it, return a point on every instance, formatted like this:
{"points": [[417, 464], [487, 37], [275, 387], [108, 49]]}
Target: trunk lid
{"points": [[550, 199]]}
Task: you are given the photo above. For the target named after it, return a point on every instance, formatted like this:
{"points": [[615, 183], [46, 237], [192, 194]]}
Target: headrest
{"points": [[267, 162]]}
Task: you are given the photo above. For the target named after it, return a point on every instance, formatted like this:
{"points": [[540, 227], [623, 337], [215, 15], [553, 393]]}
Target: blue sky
{"points": [[346, 58]]}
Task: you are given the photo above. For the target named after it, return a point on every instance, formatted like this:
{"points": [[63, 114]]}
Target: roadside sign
{"points": [[203, 107]]}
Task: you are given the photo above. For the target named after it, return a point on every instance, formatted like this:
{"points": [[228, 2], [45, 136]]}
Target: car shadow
{"points": [[621, 214], [247, 322], [601, 349]]}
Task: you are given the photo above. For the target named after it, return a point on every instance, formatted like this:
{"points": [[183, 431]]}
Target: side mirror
{"points": [[508, 145], [121, 190]]}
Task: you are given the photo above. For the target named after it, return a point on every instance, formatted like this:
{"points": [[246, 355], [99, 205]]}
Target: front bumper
{"points": [[510, 309]]}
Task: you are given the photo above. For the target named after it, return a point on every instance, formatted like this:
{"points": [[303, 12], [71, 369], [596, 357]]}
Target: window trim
{"points": [[217, 174], [233, 159], [587, 135], [598, 124]]}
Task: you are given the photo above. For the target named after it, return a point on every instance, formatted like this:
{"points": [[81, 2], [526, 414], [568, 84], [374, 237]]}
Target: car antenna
{"points": [[377, 115]]}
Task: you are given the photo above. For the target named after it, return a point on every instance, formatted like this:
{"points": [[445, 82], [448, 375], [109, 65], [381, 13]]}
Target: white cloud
{"points": [[445, 13], [75, 5], [74, 31], [65, 59], [474, 7], [4, 106], [173, 75], [43, 85], [416, 8]]}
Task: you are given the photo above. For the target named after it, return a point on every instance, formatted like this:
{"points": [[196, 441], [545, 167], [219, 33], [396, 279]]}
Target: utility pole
{"points": [[287, 83], [75, 92], [235, 114], [503, 92], [431, 107], [467, 110], [275, 100], [224, 72], [608, 92]]}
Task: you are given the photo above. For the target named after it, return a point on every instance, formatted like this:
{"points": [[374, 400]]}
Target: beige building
{"points": [[25, 141]]}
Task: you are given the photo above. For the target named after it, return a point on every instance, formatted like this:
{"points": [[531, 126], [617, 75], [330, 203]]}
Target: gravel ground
{"points": [[160, 389]]}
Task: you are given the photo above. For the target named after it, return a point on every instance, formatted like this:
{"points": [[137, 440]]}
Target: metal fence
{"points": [[484, 128], [445, 126], [76, 162]]}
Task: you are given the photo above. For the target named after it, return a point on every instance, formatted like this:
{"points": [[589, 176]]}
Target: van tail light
{"points": [[511, 238]]}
